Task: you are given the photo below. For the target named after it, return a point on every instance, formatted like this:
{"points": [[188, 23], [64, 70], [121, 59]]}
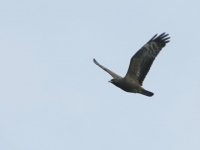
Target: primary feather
{"points": [[141, 62]]}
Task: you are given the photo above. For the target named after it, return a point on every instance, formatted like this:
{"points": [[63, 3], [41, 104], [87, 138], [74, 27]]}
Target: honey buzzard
{"points": [[139, 66]]}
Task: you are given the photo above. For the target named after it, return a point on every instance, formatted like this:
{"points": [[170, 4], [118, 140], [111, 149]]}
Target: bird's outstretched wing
{"points": [[141, 62], [114, 75]]}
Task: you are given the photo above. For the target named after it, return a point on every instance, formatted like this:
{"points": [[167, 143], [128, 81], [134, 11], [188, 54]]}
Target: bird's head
{"points": [[114, 81]]}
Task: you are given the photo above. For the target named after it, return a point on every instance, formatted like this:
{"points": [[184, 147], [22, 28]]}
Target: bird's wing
{"points": [[141, 62], [114, 75]]}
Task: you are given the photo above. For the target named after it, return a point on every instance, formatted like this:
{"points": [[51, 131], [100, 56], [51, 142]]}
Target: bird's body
{"points": [[131, 86], [139, 66]]}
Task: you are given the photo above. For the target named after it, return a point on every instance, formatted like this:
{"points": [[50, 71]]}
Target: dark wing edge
{"points": [[114, 75], [141, 62]]}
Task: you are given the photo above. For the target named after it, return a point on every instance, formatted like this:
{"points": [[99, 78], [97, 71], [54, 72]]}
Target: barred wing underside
{"points": [[141, 62]]}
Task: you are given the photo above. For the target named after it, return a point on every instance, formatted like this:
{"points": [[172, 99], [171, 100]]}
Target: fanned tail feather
{"points": [[147, 93]]}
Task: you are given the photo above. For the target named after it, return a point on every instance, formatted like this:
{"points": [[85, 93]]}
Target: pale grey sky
{"points": [[54, 98]]}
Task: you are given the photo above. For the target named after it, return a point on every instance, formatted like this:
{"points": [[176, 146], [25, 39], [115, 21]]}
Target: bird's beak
{"points": [[110, 81]]}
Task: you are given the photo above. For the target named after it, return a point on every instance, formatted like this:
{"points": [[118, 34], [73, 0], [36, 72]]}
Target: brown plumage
{"points": [[139, 66]]}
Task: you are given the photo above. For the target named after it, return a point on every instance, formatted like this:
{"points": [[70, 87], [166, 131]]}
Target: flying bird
{"points": [[140, 65]]}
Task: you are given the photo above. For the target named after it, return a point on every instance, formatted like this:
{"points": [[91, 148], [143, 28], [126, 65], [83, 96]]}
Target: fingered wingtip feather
{"points": [[94, 60], [153, 37], [164, 36]]}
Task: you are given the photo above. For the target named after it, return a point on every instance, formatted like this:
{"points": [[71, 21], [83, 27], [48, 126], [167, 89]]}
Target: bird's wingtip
{"points": [[94, 60]]}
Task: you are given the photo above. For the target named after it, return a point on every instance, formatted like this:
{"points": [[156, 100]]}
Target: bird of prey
{"points": [[139, 66]]}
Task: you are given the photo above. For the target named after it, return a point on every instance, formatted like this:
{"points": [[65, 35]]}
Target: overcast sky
{"points": [[53, 97]]}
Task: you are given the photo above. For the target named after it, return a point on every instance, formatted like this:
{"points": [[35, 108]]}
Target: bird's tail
{"points": [[147, 93]]}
